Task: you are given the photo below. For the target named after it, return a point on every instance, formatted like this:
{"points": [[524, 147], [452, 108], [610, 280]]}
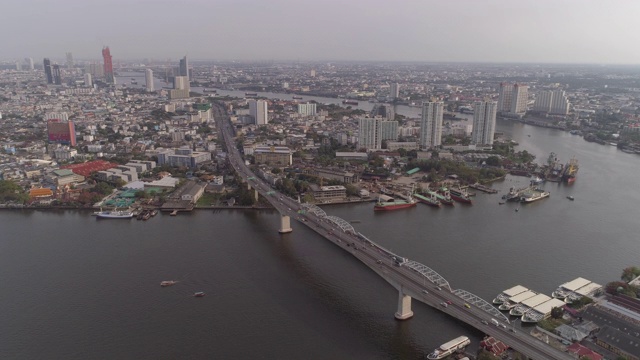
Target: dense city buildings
{"points": [[431, 124], [484, 122], [108, 65]]}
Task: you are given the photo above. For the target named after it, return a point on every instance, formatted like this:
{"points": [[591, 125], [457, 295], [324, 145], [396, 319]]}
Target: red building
{"points": [[61, 132], [108, 65]]}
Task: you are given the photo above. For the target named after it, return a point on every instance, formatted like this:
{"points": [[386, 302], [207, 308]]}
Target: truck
{"points": [[495, 322]]}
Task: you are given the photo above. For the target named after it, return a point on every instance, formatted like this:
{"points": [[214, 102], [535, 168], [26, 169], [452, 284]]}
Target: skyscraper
{"points": [[394, 91], [181, 83], [259, 110], [504, 97], [47, 70], [183, 69], [29, 62], [108, 65], [88, 80], [431, 124], [69, 60], [18, 66], [148, 79], [56, 75], [484, 122]]}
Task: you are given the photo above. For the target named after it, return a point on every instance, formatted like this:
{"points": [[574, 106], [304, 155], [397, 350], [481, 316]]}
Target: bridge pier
{"points": [[256, 194], [404, 306], [285, 224]]}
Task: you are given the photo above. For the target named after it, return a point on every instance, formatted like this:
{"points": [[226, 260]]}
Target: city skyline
{"points": [[472, 31]]}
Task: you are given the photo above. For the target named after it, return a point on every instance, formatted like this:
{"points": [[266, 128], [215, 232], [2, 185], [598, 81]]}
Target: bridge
{"points": [[413, 280]]}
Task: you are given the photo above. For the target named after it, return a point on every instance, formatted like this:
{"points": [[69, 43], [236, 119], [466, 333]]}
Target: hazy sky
{"points": [[568, 31]]}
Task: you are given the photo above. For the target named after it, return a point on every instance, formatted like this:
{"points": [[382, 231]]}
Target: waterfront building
{"points": [[343, 176], [308, 109], [552, 102], [512, 98], [88, 80], [108, 65], [259, 111], [431, 124], [328, 193], [273, 155], [148, 79], [47, 70], [484, 122]]}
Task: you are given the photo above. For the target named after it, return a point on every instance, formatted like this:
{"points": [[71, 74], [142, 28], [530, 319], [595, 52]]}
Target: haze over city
{"points": [[375, 30]]}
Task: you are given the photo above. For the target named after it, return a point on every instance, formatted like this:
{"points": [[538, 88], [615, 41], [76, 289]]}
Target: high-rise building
{"points": [[96, 70], [385, 111], [88, 80], [552, 102], [372, 131], [29, 62], [484, 122], [259, 111], [513, 98], [183, 69], [308, 109], [108, 65], [394, 91], [18, 66], [62, 116], [312, 73], [148, 80], [47, 70], [56, 75], [70, 62], [431, 124], [59, 131]]}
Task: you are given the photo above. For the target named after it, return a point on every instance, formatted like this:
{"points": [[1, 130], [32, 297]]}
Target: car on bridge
{"points": [[467, 306], [449, 302]]}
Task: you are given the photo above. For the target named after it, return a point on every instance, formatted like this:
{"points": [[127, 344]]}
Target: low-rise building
{"points": [[329, 193], [273, 155]]}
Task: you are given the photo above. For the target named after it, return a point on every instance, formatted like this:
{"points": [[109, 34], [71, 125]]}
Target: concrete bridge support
{"points": [[285, 224], [256, 194], [404, 306]]}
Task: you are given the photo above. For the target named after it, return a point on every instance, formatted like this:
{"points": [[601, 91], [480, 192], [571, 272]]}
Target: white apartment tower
{"points": [[258, 110], [181, 83], [484, 122], [394, 91], [372, 131], [148, 80], [552, 102], [308, 109], [88, 81], [513, 98], [431, 124]]}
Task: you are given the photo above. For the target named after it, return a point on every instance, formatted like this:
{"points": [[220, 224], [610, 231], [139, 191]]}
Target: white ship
{"points": [[449, 348], [114, 214]]}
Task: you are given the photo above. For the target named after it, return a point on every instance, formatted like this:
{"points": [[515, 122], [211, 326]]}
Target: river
{"points": [[75, 287]]}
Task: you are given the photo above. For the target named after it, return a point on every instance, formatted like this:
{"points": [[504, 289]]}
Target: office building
{"points": [[108, 65], [259, 111], [47, 70], [394, 91], [484, 122], [88, 80], [70, 62], [372, 131], [513, 98], [56, 75], [308, 109], [183, 69], [148, 80], [431, 124], [63, 132], [273, 155], [552, 102]]}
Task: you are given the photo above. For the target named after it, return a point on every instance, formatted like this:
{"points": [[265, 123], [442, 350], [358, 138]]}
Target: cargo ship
{"points": [[349, 102], [430, 200], [570, 171], [460, 195], [531, 196], [393, 204], [443, 196], [250, 94], [449, 348], [297, 97], [554, 169]]}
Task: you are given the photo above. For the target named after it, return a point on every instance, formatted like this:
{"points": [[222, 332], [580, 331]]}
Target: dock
{"points": [[483, 188]]}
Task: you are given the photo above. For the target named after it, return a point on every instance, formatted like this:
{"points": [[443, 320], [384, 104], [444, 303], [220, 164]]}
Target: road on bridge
{"points": [[412, 282]]}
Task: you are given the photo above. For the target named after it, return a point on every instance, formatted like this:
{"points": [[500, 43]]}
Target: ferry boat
{"points": [[532, 196], [168, 283], [559, 294], [460, 195], [114, 214], [506, 306], [449, 348], [429, 200]]}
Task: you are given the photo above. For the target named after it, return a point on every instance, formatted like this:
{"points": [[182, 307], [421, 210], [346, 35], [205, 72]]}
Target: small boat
{"points": [[570, 198], [198, 294], [174, 213], [154, 212], [517, 209], [168, 283], [501, 203]]}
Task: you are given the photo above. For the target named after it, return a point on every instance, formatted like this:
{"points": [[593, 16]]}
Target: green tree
{"points": [[557, 313], [12, 192], [493, 161]]}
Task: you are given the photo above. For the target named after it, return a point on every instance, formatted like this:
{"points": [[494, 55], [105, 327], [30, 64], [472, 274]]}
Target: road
{"points": [[412, 282]]}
